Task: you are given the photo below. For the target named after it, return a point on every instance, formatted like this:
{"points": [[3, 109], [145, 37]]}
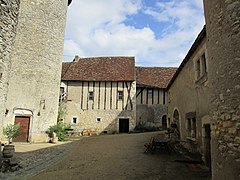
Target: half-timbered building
{"points": [[100, 93], [151, 96]]}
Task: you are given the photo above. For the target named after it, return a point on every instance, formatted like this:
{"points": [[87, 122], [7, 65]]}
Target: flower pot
{"points": [[8, 151]]}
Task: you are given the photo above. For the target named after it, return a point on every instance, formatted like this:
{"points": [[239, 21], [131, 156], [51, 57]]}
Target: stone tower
{"points": [[36, 58], [223, 44], [9, 18]]}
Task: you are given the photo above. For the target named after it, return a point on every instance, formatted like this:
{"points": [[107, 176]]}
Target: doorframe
{"points": [[123, 117], [25, 113]]}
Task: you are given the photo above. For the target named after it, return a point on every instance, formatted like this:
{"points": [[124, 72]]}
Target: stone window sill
{"points": [[202, 79], [193, 140]]}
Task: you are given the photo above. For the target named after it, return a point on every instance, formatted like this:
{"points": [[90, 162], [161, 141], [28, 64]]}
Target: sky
{"points": [[157, 33]]}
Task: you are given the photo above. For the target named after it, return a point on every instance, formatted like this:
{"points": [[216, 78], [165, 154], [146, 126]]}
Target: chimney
{"points": [[76, 58]]}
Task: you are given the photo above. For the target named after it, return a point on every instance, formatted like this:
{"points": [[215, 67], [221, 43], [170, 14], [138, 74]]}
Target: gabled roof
{"points": [[157, 77], [99, 69], [193, 48]]}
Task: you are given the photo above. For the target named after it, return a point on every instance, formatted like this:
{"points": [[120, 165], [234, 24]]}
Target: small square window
{"points": [[150, 93], [91, 96], [120, 95], [98, 119], [74, 120]]}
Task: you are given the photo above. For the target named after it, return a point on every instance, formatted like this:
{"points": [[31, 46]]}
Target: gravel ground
{"points": [[115, 157]]}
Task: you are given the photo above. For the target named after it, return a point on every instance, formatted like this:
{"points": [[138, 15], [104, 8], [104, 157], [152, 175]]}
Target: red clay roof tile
{"points": [[100, 69], [154, 76]]}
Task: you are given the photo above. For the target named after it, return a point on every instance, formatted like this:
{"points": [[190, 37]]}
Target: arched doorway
{"points": [[164, 122], [176, 120]]}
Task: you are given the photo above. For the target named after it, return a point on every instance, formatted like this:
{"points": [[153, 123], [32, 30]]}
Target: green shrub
{"points": [[11, 131], [59, 129]]}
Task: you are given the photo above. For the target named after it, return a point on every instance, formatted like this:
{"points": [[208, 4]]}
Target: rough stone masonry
{"points": [[9, 11], [223, 34]]}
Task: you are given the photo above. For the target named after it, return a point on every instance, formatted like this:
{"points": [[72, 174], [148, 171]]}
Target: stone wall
{"points": [[9, 18], [36, 65], [151, 107], [223, 34], [151, 115]]}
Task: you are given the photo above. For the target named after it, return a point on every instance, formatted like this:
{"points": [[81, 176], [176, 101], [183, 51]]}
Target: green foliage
{"points": [[62, 111], [11, 131], [60, 129]]}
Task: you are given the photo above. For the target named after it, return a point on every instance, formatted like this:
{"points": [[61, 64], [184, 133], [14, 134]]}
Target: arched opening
{"points": [[164, 122], [176, 120]]}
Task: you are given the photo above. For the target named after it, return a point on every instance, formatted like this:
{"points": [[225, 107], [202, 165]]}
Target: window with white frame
{"points": [[74, 120], [90, 95], [120, 95], [150, 93]]}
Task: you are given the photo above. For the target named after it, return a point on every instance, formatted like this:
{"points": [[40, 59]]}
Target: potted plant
{"points": [[10, 131]]}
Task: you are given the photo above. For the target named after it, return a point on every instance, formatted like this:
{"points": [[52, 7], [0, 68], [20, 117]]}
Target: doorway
{"points": [[207, 145], [164, 122], [24, 128], [124, 125]]}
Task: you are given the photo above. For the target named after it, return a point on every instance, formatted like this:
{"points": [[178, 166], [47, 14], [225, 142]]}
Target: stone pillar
{"points": [[223, 45]]}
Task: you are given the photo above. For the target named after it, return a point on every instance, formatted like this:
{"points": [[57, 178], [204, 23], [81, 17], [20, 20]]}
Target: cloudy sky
{"points": [[156, 32]]}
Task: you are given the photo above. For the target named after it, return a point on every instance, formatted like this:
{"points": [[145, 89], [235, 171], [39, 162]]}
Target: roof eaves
{"points": [[198, 40]]}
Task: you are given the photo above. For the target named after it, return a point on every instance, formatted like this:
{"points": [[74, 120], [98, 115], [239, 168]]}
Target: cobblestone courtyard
{"points": [[118, 157]]}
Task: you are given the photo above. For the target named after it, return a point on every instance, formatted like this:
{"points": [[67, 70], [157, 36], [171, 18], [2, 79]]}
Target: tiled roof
{"points": [[100, 69], [154, 76]]}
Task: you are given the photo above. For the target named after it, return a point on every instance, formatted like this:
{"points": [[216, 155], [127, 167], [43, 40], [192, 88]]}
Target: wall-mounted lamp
{"points": [[42, 103]]}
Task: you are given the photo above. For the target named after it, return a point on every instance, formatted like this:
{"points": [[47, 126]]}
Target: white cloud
{"points": [[96, 28]]}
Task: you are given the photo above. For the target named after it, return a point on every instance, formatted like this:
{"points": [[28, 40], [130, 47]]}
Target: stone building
{"points": [[188, 93], [100, 93], [204, 94], [31, 66], [223, 46], [9, 15], [152, 95]]}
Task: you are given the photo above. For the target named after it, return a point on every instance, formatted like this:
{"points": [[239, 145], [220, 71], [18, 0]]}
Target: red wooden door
{"points": [[24, 128]]}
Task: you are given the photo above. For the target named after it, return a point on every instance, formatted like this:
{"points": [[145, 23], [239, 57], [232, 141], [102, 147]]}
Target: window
{"points": [[98, 119], [150, 93], [201, 69], [90, 96], [62, 94], [74, 120], [1, 72], [192, 127], [198, 71], [204, 64], [120, 95]]}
